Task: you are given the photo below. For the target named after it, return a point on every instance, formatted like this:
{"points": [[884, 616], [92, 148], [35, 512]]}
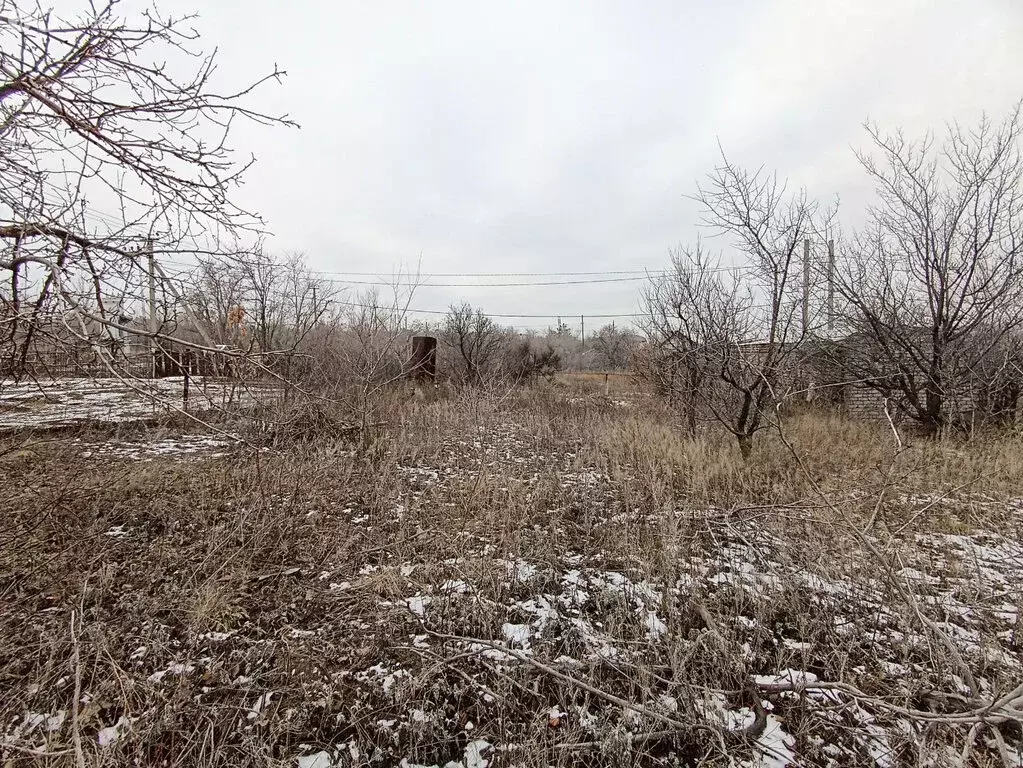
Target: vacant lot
{"points": [[537, 576]]}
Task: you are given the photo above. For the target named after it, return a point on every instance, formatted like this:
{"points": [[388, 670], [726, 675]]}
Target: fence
{"points": [[165, 363]]}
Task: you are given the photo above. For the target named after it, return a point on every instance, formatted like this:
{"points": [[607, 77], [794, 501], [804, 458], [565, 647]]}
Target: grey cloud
{"points": [[563, 136]]}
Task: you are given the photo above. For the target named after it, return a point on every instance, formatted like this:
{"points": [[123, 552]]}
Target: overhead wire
{"points": [[508, 315], [513, 316], [422, 280], [415, 278], [641, 273], [419, 280]]}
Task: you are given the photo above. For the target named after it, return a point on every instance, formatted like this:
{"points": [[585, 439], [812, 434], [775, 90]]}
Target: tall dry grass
{"points": [[302, 556]]}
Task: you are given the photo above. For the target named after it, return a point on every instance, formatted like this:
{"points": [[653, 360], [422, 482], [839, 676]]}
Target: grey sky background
{"points": [[539, 136]]}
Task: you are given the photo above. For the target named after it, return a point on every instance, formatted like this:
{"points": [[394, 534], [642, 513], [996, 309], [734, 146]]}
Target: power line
{"points": [[464, 274], [641, 274], [420, 284], [422, 278], [505, 274], [635, 275], [423, 284], [489, 314], [574, 313]]}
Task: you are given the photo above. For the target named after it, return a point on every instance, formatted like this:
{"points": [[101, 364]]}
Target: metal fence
{"points": [[162, 364]]}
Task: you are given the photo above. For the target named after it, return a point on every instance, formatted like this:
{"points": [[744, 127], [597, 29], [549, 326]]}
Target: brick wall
{"points": [[861, 402]]}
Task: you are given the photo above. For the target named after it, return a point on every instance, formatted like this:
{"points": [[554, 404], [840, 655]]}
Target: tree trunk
{"points": [[934, 396], [745, 445]]}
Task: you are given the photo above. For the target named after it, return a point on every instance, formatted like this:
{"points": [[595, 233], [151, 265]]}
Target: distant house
{"points": [[864, 381]]}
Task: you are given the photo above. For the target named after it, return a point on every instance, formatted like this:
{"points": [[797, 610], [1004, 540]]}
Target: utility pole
{"points": [[806, 285], [151, 263], [831, 285], [582, 333]]}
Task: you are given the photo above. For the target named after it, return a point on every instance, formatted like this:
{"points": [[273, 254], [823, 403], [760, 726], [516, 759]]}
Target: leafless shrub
{"points": [[279, 309], [526, 360], [475, 343]]}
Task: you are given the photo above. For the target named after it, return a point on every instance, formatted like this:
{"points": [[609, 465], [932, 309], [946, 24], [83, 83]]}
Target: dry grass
{"points": [[351, 597]]}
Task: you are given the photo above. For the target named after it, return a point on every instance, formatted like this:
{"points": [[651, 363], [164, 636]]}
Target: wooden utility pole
{"points": [[831, 285], [806, 285], [151, 264], [582, 332]]}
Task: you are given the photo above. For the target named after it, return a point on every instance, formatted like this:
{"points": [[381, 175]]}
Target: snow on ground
{"points": [[147, 450], [579, 616], [591, 600], [67, 402], [773, 613]]}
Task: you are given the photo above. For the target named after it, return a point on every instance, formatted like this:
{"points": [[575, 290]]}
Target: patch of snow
{"points": [[68, 402], [655, 628], [50, 722], [387, 678], [173, 669], [417, 604], [260, 704], [879, 747], [542, 610], [776, 746], [667, 703], [516, 634], [794, 677], [216, 637], [112, 734], [473, 756], [185, 445], [519, 570], [317, 760]]}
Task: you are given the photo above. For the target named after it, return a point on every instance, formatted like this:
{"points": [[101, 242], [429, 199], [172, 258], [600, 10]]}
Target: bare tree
{"points": [[87, 112], [217, 293], [720, 339], [934, 285], [476, 341], [613, 346], [287, 300], [251, 301]]}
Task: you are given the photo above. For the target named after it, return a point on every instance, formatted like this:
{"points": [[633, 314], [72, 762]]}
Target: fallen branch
{"points": [[751, 732]]}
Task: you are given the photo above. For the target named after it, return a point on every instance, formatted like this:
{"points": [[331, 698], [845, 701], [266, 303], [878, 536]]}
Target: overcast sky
{"points": [[563, 136]]}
